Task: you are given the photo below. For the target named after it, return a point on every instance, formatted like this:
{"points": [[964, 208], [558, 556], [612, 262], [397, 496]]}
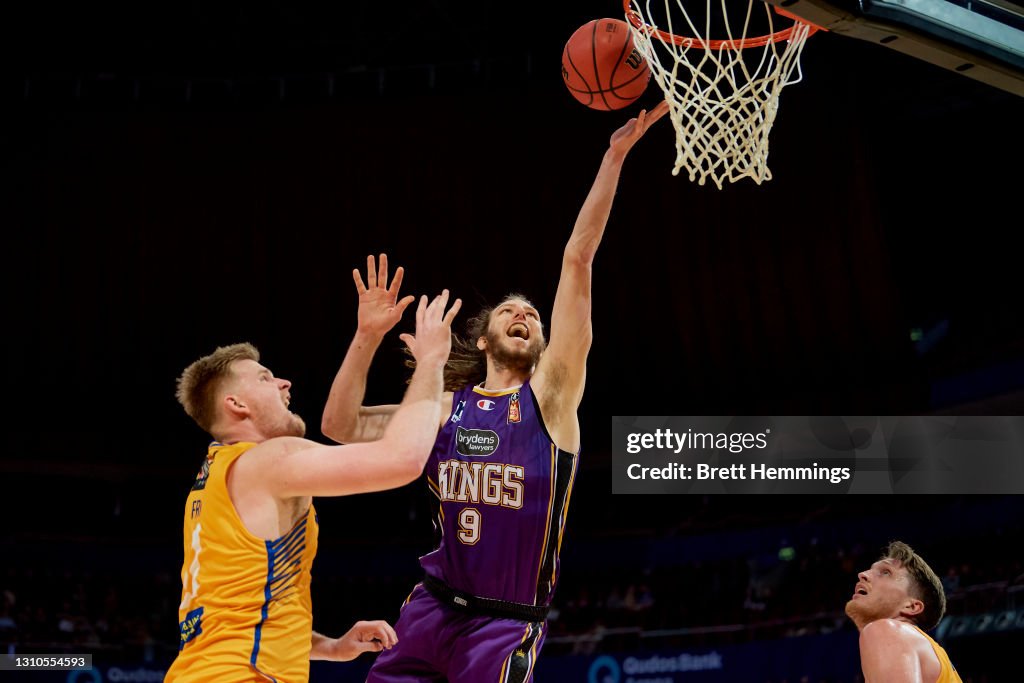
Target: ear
{"points": [[912, 607], [481, 343], [235, 407]]}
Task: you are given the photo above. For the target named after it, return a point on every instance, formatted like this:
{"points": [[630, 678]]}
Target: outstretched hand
{"points": [[379, 307], [364, 636], [433, 339], [624, 138]]}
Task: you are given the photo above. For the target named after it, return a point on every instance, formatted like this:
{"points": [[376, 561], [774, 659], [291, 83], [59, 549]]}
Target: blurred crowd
{"points": [[799, 590]]}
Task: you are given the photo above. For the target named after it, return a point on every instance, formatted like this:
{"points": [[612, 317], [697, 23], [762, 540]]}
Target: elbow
{"points": [[579, 257], [333, 430], [329, 428], [585, 338]]}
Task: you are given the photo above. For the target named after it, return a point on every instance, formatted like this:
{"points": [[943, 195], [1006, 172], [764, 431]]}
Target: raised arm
{"points": [[561, 373], [297, 467], [345, 418]]}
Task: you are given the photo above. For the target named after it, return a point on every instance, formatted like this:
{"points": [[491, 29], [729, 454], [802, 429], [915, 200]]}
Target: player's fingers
{"points": [[434, 305], [371, 271], [369, 646], [407, 339], [450, 315], [360, 287], [404, 303], [382, 274], [442, 301], [421, 311], [641, 122], [380, 631], [397, 282], [657, 112], [390, 638]]}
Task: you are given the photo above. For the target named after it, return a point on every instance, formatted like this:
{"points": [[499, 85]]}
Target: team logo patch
{"points": [[513, 409], [457, 413], [204, 474], [476, 442], [485, 404], [191, 627]]}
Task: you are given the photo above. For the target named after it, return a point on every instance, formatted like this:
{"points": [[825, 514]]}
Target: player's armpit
{"points": [[558, 399]]}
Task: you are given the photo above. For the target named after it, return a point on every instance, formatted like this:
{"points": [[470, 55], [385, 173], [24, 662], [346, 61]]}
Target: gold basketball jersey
{"points": [[245, 612], [948, 674]]}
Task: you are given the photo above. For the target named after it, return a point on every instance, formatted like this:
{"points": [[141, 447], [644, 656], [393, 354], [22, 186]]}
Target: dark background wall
{"points": [[164, 199], [182, 176]]}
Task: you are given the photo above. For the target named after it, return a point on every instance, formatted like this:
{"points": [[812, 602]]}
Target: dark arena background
{"points": [[183, 176]]}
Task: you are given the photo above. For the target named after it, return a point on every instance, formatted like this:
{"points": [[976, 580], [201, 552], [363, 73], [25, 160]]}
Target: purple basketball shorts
{"points": [[437, 643]]}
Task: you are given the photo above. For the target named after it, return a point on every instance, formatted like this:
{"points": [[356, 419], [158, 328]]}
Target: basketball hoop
{"points": [[723, 96]]}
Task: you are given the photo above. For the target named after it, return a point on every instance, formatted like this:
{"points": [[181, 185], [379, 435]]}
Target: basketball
{"points": [[602, 68]]}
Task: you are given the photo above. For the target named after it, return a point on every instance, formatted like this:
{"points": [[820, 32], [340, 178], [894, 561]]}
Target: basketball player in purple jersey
{"points": [[503, 464]]}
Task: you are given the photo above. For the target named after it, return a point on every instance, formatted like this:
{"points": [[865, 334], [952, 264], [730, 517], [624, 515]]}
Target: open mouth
{"points": [[860, 590], [519, 331]]}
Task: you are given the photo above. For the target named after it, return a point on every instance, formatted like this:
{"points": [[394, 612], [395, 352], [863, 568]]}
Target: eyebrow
{"points": [[507, 306]]}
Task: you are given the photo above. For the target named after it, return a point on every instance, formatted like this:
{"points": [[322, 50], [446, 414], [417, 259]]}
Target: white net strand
{"points": [[721, 105]]}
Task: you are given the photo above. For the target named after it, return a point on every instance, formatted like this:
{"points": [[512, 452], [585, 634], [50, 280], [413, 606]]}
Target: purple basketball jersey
{"points": [[504, 490]]}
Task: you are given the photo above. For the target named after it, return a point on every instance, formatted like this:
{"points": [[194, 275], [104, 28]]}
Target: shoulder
{"points": [[272, 452], [889, 633], [263, 467]]}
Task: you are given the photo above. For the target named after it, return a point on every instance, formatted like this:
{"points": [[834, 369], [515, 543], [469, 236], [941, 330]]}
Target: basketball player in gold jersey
{"points": [[250, 527], [892, 605]]}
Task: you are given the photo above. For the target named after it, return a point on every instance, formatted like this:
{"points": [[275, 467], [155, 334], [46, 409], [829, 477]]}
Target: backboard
{"points": [[981, 39]]}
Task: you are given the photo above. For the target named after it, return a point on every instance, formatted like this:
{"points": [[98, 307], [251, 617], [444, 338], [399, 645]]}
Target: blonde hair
{"points": [[925, 584], [198, 385]]}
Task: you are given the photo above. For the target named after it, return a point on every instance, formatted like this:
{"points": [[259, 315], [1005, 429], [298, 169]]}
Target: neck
{"points": [[861, 622], [243, 431], [499, 378]]}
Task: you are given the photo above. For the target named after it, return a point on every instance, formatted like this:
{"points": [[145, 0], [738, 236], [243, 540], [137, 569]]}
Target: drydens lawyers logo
{"points": [[476, 442]]}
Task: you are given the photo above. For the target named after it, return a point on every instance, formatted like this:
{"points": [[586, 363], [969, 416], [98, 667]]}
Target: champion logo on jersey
{"points": [[485, 404]]}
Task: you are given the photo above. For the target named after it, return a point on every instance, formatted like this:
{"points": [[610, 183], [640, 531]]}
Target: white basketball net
{"points": [[722, 100]]}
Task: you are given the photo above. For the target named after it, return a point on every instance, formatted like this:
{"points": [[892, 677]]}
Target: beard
{"points": [[288, 424], [505, 355], [296, 426], [861, 612]]}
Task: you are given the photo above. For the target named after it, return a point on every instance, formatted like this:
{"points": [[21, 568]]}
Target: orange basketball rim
{"points": [[686, 41]]}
